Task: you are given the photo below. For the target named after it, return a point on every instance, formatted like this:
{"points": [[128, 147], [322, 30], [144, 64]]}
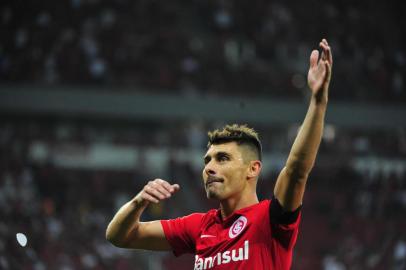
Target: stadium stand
{"points": [[200, 48]]}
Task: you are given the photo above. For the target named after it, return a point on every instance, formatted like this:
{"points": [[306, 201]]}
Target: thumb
{"points": [[176, 187]]}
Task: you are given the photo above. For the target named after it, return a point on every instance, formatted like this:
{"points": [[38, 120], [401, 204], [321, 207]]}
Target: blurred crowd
{"points": [[353, 212], [351, 219], [212, 47]]}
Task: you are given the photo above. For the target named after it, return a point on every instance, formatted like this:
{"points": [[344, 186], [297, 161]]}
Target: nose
{"points": [[209, 170]]}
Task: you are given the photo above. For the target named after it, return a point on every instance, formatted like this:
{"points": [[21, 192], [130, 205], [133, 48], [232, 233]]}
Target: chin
{"points": [[211, 195]]}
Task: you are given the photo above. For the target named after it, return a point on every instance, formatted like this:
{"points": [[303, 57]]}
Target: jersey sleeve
{"points": [[181, 233], [284, 224]]}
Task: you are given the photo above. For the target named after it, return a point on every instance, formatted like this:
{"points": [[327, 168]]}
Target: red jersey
{"points": [[245, 240]]}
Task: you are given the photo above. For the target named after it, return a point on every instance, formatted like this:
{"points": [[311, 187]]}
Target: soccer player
{"points": [[243, 233]]}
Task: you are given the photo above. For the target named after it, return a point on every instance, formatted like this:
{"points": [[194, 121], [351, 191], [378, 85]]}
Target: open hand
{"points": [[319, 74]]}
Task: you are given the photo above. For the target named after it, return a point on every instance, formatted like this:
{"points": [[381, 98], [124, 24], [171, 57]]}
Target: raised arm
{"points": [[125, 229], [291, 182]]}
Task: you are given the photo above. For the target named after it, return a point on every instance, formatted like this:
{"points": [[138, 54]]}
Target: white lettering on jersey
{"points": [[228, 256], [237, 227]]}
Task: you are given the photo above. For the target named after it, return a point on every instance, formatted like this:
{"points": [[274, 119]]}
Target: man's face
{"points": [[225, 171]]}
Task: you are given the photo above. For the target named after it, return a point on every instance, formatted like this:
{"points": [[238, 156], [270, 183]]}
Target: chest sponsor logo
{"points": [[237, 227], [226, 257]]}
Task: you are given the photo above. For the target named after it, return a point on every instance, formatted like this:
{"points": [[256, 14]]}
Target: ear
{"points": [[254, 169]]}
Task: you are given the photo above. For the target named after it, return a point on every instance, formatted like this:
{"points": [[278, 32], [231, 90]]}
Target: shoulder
{"points": [[209, 216], [195, 219], [262, 205], [256, 211]]}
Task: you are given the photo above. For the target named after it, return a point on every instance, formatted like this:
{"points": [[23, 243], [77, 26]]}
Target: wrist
{"points": [[139, 202], [319, 100]]}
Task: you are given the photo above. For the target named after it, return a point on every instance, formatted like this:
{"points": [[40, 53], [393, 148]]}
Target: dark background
{"points": [[97, 97]]}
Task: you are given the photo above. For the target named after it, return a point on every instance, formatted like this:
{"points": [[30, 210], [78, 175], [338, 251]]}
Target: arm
{"points": [[291, 182], [125, 229]]}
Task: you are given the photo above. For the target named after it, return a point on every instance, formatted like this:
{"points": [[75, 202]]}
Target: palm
{"points": [[316, 77]]}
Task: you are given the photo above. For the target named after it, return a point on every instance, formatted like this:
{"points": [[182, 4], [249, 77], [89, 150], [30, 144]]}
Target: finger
{"points": [[161, 189], [325, 49], [159, 185], [154, 192], [328, 71], [314, 56], [149, 198], [166, 185], [326, 54], [330, 56]]}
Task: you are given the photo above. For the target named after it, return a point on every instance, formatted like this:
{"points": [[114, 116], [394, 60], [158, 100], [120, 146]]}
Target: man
{"points": [[244, 233]]}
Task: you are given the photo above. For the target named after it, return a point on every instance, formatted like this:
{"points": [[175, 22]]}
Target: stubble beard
{"points": [[213, 193]]}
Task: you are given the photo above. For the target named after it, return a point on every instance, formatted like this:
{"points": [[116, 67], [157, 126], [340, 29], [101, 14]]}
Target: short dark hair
{"points": [[241, 134]]}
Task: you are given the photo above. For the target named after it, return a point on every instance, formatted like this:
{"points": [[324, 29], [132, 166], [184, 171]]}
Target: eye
{"points": [[223, 158]]}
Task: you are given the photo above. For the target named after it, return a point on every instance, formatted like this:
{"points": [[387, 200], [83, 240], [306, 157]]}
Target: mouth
{"points": [[212, 180]]}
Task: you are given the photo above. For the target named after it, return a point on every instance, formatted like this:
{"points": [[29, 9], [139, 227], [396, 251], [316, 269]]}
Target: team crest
{"points": [[237, 227]]}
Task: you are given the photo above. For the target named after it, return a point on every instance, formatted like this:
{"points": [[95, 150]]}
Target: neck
{"points": [[228, 206]]}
